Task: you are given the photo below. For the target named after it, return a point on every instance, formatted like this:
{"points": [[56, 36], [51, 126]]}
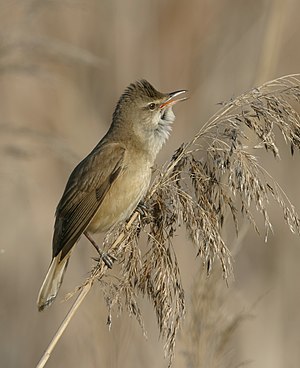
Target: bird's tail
{"points": [[52, 282]]}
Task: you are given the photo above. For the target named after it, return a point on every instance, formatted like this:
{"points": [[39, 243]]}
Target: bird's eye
{"points": [[151, 106]]}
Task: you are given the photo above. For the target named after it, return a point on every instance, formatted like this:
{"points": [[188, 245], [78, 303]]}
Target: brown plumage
{"points": [[106, 186]]}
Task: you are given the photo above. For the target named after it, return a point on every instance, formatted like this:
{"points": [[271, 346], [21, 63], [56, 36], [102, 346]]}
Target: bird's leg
{"points": [[107, 258]]}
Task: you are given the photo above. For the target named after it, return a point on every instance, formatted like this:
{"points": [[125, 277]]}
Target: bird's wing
{"points": [[84, 193]]}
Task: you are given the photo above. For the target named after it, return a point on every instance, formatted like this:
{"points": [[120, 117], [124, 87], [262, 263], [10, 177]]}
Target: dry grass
{"points": [[214, 174]]}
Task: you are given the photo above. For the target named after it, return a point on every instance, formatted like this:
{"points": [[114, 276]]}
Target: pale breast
{"points": [[122, 198]]}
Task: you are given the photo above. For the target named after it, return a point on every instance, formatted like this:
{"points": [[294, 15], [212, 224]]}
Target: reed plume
{"points": [[215, 174]]}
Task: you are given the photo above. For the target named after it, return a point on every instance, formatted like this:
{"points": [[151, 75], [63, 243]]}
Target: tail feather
{"points": [[52, 282]]}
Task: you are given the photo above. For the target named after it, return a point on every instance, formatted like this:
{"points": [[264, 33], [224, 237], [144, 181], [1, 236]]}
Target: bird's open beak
{"points": [[170, 101]]}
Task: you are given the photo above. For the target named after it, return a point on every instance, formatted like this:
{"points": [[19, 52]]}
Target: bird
{"points": [[106, 187]]}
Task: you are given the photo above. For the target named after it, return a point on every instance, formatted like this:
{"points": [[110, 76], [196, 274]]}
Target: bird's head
{"points": [[147, 113]]}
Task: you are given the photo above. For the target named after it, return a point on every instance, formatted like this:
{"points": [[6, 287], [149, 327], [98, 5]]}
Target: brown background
{"points": [[63, 65]]}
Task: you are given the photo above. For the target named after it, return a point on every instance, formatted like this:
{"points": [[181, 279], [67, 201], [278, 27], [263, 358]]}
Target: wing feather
{"points": [[84, 193]]}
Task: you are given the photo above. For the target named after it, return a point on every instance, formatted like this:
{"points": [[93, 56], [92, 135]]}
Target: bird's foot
{"points": [[108, 259], [143, 209]]}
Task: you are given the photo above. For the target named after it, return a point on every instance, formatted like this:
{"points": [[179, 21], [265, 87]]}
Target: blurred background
{"points": [[63, 65]]}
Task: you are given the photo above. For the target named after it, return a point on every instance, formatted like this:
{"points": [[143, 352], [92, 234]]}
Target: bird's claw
{"points": [[108, 259], [142, 209]]}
